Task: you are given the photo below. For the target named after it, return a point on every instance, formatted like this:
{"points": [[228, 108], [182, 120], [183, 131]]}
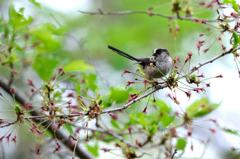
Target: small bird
{"points": [[156, 66]]}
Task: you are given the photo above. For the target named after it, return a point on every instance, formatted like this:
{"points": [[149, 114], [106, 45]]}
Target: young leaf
{"points": [[77, 87], [234, 132], [181, 144], [150, 122], [35, 3], [166, 119], [91, 80], [93, 149], [44, 66], [17, 19], [118, 95], [68, 127], [162, 106], [140, 71], [13, 56], [78, 65], [236, 39], [88, 81], [139, 118], [164, 111], [44, 32], [114, 124], [233, 3], [201, 107]]}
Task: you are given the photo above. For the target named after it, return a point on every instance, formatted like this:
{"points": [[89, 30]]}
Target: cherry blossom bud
{"points": [[60, 69], [72, 75], [188, 94], [144, 110], [125, 71], [201, 34], [202, 21], [219, 76], [30, 82], [204, 51], [212, 130], [12, 90], [187, 59], [129, 83]]}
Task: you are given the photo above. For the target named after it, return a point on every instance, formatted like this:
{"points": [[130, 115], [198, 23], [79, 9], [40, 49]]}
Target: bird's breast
{"points": [[159, 70]]}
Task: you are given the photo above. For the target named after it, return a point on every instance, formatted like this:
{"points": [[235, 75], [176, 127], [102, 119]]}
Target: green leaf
{"points": [[162, 106], [44, 66], [91, 81], [11, 59], [201, 107], [77, 87], [234, 132], [46, 34], [157, 119], [181, 144], [88, 81], [233, 3], [140, 71], [17, 109], [164, 111], [68, 127], [167, 120], [152, 129], [48, 133], [78, 65], [35, 3], [17, 19], [139, 118], [149, 122], [236, 39], [13, 56], [57, 95], [93, 149], [114, 123], [118, 95]]}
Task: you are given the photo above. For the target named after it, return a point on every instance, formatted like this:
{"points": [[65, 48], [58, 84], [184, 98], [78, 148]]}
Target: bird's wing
{"points": [[146, 61]]}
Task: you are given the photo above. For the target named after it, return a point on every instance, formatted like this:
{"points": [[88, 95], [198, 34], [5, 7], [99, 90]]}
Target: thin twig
{"points": [[145, 95], [146, 12], [172, 157], [210, 61], [60, 135], [9, 123], [12, 75]]}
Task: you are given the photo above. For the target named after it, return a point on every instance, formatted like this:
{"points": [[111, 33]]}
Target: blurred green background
{"points": [[87, 37]]}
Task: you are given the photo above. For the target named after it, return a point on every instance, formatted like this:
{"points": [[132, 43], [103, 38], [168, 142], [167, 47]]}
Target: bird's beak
{"points": [[154, 54]]}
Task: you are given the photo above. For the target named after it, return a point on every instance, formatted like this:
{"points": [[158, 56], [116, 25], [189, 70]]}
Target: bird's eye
{"points": [[158, 51]]}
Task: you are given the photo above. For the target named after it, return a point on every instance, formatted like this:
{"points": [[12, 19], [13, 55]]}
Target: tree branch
{"points": [[146, 12], [214, 59], [137, 99], [175, 151]]}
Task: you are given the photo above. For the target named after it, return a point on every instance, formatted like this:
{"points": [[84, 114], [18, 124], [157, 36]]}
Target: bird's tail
{"points": [[123, 54]]}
